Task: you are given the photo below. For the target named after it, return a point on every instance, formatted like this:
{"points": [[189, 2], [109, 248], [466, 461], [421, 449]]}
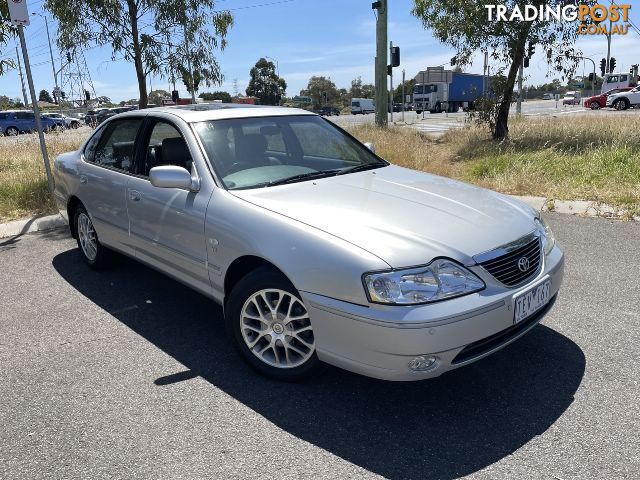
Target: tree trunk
{"points": [[137, 54], [502, 121]]}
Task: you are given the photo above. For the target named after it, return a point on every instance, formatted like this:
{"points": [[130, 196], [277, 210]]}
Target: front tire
{"points": [[93, 252], [621, 104], [271, 328], [12, 132]]}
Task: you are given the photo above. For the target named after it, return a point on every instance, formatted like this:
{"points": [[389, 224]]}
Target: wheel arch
{"points": [[244, 265], [73, 203]]}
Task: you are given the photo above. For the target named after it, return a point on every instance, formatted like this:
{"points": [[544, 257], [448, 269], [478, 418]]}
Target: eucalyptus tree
{"points": [[159, 37], [7, 31], [465, 26]]}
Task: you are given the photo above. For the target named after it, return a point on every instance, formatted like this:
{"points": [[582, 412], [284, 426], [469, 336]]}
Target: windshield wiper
{"points": [[362, 168], [303, 176]]}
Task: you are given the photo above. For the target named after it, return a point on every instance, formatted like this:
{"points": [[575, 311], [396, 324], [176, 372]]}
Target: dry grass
{"points": [[23, 181], [580, 157]]}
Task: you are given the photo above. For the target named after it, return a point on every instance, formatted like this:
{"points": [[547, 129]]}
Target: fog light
{"points": [[422, 363]]}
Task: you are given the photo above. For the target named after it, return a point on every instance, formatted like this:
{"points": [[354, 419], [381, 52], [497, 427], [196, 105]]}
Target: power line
{"points": [[253, 6]]}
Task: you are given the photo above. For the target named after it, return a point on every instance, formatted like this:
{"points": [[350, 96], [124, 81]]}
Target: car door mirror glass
{"points": [[370, 146], [171, 176]]}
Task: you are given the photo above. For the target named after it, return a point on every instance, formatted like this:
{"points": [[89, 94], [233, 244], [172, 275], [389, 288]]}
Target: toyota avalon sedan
{"points": [[318, 250]]}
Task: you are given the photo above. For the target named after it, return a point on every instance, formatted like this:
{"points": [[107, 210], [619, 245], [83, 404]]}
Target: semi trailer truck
{"points": [[438, 90]]}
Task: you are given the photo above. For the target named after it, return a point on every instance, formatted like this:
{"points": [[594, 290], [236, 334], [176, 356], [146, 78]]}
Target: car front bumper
{"points": [[379, 341]]}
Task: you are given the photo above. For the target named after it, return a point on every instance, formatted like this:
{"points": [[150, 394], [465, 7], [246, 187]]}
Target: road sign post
{"points": [[19, 14]]}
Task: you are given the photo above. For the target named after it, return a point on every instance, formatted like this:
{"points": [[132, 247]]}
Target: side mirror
{"points": [[370, 146], [172, 176]]}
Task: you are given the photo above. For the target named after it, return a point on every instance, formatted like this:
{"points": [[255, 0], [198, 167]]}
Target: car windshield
{"points": [[267, 151]]}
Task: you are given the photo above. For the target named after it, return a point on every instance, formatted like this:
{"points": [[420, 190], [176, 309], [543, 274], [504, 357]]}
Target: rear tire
{"points": [[594, 105], [93, 252], [271, 328], [12, 132]]}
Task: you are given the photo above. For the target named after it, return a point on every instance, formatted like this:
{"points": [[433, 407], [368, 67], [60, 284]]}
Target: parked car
{"points": [[69, 122], [624, 100], [328, 111], [319, 250], [600, 101], [95, 118], [547, 96], [571, 98], [397, 107], [14, 122]]}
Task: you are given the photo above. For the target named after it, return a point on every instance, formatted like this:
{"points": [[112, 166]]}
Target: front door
{"points": [[167, 224]]}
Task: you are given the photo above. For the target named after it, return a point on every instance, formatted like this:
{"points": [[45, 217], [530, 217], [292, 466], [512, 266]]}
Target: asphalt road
{"points": [[127, 374]]}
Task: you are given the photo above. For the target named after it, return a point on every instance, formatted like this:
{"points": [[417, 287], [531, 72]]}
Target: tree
{"points": [[408, 89], [265, 83], [219, 95], [141, 32], [464, 25], [45, 96], [7, 31], [156, 96], [322, 92], [360, 90]]}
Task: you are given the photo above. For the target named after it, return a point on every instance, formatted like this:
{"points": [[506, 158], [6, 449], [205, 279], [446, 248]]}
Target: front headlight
{"points": [[439, 280], [546, 234]]}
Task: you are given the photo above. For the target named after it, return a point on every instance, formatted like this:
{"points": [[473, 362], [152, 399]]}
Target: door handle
{"points": [[83, 179], [135, 195]]}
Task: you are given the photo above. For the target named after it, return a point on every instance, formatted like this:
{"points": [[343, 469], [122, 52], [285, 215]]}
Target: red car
{"points": [[599, 101]]}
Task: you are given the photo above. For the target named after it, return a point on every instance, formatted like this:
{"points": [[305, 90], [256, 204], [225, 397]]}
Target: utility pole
{"points": [[403, 97], [382, 119], [36, 109], [24, 90], [391, 80], [486, 66], [519, 102]]}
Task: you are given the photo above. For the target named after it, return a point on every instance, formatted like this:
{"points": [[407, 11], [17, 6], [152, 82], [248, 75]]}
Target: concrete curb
{"points": [[581, 208], [29, 225], [573, 207]]}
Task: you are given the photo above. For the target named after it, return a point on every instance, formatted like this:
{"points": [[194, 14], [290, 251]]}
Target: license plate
{"points": [[529, 302]]}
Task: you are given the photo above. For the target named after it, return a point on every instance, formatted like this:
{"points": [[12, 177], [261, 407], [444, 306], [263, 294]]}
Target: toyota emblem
{"points": [[523, 264]]}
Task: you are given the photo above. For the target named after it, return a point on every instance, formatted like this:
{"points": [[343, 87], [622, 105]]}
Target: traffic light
{"points": [[612, 65], [395, 56], [175, 96], [531, 50], [603, 66], [549, 54], [591, 77], [526, 62]]}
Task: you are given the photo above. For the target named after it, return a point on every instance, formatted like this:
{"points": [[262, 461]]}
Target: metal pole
{"points": [[519, 102], [382, 119], [484, 70], [53, 65], [423, 94], [36, 109], [403, 97], [391, 79], [24, 90]]}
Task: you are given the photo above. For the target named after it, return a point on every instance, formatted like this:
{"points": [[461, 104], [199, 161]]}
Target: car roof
{"points": [[220, 111]]}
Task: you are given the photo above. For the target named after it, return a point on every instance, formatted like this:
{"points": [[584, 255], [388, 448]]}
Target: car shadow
{"points": [[438, 429]]}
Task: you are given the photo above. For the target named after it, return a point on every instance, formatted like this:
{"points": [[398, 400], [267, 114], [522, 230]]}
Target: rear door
{"points": [[104, 176], [167, 224]]}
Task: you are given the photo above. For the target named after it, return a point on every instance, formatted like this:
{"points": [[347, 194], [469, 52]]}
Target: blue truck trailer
{"points": [[438, 90]]}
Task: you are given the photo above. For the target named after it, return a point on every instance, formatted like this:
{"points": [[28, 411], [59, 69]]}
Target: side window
{"points": [[166, 147], [4, 116], [116, 146], [623, 78]]}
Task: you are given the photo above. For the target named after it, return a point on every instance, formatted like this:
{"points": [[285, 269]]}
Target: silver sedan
{"points": [[319, 250]]}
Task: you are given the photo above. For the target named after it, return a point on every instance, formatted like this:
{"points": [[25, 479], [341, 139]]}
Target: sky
{"points": [[334, 38]]}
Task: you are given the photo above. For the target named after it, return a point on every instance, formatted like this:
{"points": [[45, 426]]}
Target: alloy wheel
{"points": [[276, 328], [12, 131], [87, 237]]}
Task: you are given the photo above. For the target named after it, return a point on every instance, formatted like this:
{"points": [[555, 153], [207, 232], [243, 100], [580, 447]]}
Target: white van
{"points": [[362, 105]]}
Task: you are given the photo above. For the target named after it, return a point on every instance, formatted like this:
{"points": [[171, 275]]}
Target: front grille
{"points": [[505, 268]]}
